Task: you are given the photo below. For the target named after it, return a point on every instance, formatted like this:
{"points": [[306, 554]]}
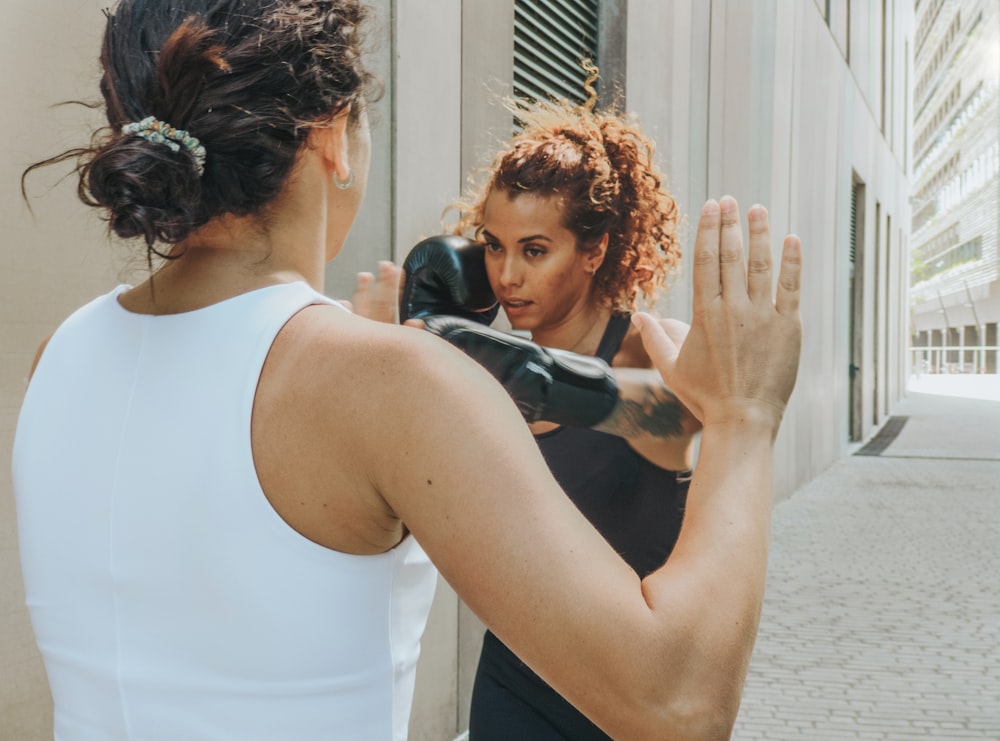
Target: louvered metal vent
{"points": [[550, 39]]}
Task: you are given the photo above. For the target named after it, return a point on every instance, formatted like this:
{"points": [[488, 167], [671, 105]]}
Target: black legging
{"points": [[510, 702]]}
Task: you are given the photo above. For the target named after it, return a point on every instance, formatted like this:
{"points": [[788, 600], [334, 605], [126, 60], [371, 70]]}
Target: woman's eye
{"points": [[533, 252], [493, 247]]}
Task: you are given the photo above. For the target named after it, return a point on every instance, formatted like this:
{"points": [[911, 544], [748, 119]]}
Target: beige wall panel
{"points": [[427, 98], [785, 29], [427, 118], [697, 143], [370, 238], [838, 24], [50, 263], [859, 44], [487, 69], [435, 711], [817, 114], [785, 23], [659, 75]]}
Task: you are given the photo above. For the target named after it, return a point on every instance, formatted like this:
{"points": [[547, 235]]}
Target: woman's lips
{"points": [[513, 307]]}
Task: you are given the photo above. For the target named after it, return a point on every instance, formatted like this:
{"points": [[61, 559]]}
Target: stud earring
{"points": [[342, 185]]}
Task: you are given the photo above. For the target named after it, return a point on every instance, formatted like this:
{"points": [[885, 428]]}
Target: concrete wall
{"points": [[758, 100], [764, 101]]}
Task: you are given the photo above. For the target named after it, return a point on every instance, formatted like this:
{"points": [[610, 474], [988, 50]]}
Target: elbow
{"points": [[710, 721], [698, 700], [707, 717], [670, 711]]}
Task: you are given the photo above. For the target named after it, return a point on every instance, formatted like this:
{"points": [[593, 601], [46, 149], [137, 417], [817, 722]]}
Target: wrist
{"points": [[745, 416]]}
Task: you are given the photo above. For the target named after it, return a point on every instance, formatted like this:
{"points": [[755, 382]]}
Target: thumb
{"points": [[660, 346]]}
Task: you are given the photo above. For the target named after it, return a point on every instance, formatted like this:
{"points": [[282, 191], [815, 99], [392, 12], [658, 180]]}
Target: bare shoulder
{"points": [[328, 400], [384, 361], [38, 356], [346, 413], [631, 353]]}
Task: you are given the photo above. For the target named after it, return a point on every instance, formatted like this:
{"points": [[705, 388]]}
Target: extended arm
{"points": [[654, 422], [644, 407], [446, 290]]}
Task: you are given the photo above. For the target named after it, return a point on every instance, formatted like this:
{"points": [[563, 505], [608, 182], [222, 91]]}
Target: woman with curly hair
{"points": [[577, 226]]}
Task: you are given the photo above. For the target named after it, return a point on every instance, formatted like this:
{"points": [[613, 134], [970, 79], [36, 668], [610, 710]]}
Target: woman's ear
{"points": [[332, 142], [596, 254]]}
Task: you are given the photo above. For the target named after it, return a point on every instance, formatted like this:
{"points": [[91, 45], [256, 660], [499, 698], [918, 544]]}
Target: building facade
{"points": [[956, 192], [800, 106]]}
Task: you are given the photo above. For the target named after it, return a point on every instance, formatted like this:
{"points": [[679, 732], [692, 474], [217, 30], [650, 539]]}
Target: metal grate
{"points": [[551, 37], [889, 432]]}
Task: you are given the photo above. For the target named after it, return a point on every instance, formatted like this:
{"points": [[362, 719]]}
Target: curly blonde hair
{"points": [[601, 164]]}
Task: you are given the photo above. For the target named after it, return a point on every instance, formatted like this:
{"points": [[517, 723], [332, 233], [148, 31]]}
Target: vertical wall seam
{"points": [[394, 128]]}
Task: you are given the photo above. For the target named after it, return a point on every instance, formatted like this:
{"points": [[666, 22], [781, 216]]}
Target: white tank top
{"points": [[169, 600]]}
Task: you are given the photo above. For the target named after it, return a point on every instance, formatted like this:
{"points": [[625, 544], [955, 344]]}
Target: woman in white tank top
{"points": [[221, 476]]}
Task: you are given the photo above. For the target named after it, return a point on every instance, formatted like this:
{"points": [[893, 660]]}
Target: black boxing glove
{"points": [[554, 385], [447, 275]]}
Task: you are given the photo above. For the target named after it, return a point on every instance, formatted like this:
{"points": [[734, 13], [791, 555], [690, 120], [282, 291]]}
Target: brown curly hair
{"points": [[602, 164]]}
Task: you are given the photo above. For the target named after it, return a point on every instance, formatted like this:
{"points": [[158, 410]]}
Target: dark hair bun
{"points": [[148, 190]]}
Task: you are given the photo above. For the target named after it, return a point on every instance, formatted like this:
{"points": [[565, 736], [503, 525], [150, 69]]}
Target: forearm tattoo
{"points": [[645, 411]]}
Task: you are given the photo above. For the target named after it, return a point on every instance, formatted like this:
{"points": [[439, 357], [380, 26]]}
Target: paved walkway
{"points": [[882, 615]]}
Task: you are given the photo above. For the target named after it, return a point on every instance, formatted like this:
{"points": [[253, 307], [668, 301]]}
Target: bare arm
{"points": [[664, 658], [645, 407], [652, 419], [648, 415]]}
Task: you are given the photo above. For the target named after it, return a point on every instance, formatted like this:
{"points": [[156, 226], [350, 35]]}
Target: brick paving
{"points": [[882, 613]]}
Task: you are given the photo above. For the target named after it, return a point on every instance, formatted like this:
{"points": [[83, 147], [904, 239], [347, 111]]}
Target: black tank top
{"points": [[637, 507]]}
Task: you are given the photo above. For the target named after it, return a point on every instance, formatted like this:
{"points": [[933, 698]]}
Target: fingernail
{"points": [[727, 204], [711, 208], [757, 212]]}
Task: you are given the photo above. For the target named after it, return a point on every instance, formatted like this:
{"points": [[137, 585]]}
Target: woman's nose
{"points": [[510, 274]]}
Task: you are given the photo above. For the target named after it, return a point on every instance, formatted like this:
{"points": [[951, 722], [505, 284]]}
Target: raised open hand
{"points": [[377, 297], [740, 359]]}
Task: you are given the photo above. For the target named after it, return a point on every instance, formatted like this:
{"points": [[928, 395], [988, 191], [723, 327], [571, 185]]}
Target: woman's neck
{"points": [[579, 332], [231, 255]]}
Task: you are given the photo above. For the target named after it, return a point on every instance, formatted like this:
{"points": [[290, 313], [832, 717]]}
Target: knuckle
{"points": [[705, 256], [789, 283]]}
